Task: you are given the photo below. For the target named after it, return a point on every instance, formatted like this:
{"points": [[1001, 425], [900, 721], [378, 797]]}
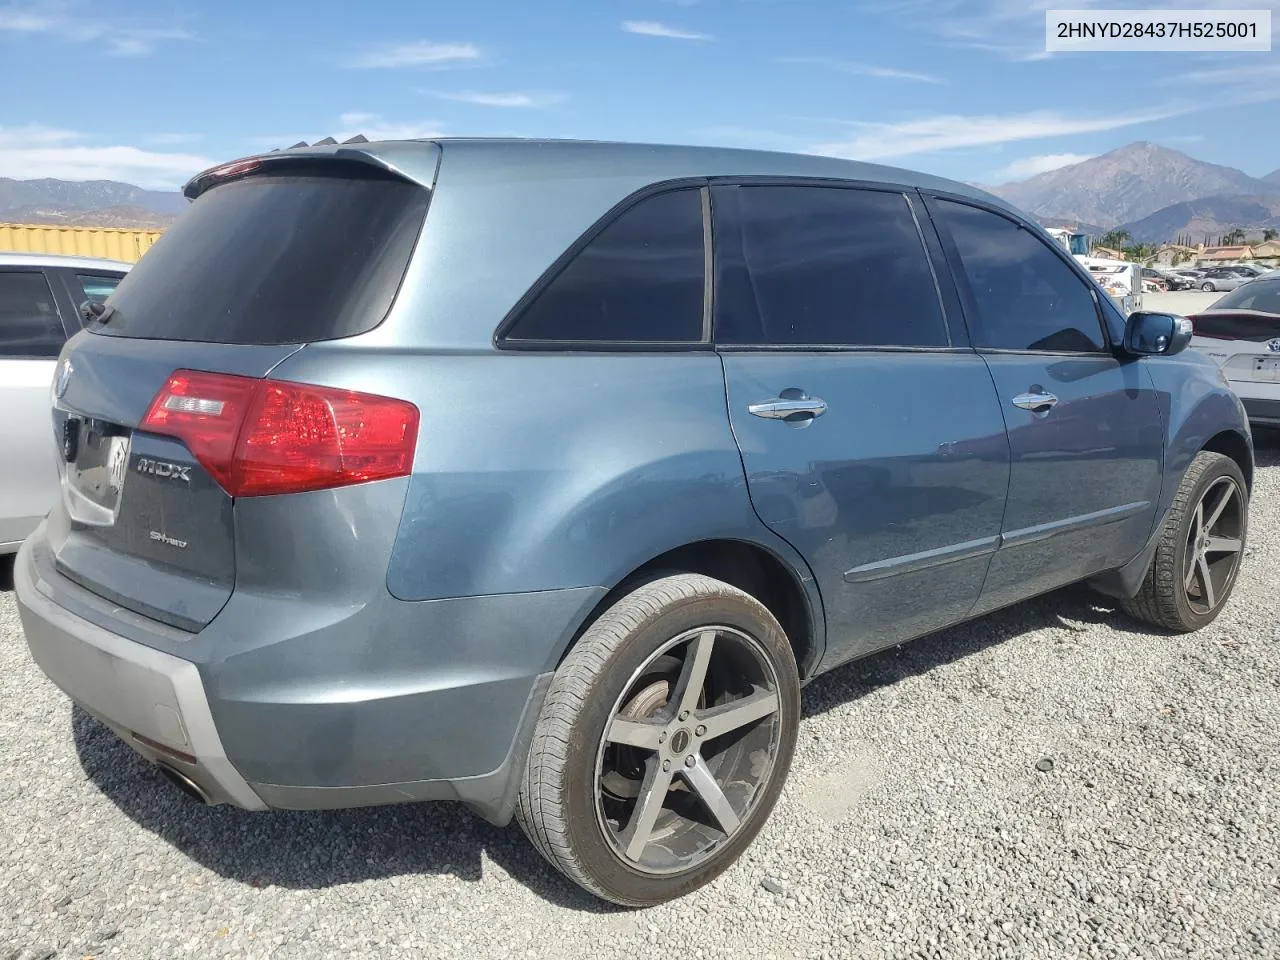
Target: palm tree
{"points": [[1115, 239], [1269, 234], [1234, 238]]}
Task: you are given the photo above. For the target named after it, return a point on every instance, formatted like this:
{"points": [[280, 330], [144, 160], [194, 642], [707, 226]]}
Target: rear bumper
{"points": [[154, 701], [1263, 412], [283, 703]]}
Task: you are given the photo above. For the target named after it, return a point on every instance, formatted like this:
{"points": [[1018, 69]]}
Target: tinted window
{"points": [[639, 280], [825, 265], [29, 323], [309, 254], [1026, 297], [1261, 295], [97, 288]]}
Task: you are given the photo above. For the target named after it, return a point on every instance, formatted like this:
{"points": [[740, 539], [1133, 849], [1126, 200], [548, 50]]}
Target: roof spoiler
{"points": [[224, 172]]}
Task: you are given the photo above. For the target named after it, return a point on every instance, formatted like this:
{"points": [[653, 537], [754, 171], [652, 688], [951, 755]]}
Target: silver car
{"points": [[40, 300], [1222, 279]]}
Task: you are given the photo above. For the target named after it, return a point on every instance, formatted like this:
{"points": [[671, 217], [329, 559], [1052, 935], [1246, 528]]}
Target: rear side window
{"points": [[313, 253], [639, 280], [97, 287], [29, 322], [1026, 297], [802, 265]]}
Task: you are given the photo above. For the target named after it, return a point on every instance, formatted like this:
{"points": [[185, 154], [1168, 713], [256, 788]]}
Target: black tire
{"points": [[1164, 599], [561, 805], [1207, 287]]}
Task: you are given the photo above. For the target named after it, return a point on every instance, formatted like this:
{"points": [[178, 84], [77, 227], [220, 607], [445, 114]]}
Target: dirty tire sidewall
{"points": [[1162, 601], [558, 804]]}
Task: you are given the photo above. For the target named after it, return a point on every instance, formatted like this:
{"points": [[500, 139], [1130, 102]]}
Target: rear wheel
{"points": [[664, 741], [1207, 287], [1196, 563]]}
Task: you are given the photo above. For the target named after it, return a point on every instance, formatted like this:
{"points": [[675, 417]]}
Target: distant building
{"points": [[1173, 254], [1267, 250], [1106, 253], [1212, 255]]}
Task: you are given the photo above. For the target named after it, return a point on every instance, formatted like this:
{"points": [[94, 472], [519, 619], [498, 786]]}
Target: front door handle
{"points": [[1036, 401], [785, 409]]}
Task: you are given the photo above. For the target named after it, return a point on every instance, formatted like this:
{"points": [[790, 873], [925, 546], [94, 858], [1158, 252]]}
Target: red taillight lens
{"points": [[204, 411], [262, 437]]}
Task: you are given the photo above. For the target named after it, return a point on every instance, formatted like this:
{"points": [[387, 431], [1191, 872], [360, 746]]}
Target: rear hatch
{"points": [[1246, 343], [161, 414]]}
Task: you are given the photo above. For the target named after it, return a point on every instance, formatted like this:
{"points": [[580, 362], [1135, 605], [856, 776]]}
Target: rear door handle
{"points": [[1036, 402], [780, 409]]}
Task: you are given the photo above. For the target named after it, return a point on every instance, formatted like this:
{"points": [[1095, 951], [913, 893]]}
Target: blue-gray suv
{"points": [[542, 475]]}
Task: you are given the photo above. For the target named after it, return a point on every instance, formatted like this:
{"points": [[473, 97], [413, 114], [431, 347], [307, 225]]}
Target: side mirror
{"points": [[91, 309], [1156, 334]]}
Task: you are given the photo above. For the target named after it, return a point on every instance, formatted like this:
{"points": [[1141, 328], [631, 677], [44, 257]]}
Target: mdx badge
{"points": [[162, 468]]}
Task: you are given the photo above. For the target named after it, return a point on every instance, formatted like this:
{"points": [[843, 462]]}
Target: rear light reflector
{"points": [[262, 437]]}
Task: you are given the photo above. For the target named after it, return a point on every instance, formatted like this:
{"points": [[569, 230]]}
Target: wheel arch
{"points": [[1231, 443], [783, 584]]}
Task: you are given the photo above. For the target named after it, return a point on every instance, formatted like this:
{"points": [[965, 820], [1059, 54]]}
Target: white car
{"points": [[40, 300], [1242, 332]]}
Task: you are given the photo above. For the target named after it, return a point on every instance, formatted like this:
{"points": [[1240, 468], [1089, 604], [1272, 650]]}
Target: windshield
{"points": [[315, 252], [1263, 295]]}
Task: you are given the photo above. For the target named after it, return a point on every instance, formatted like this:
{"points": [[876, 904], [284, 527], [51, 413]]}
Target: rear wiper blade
{"points": [[92, 310]]}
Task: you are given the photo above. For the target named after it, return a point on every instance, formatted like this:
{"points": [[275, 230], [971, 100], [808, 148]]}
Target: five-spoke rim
{"points": [[688, 749], [1214, 544]]}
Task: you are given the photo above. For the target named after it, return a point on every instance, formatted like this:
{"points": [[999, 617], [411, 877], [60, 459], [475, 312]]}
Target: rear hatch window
{"points": [[293, 254], [1230, 325]]}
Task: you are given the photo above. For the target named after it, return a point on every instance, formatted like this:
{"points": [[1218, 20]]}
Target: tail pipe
{"points": [[184, 783]]}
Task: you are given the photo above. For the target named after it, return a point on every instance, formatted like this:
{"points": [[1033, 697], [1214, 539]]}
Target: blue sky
{"points": [[150, 92]]}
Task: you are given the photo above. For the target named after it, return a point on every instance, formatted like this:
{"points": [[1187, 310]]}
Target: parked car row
{"points": [[1209, 279], [552, 501]]}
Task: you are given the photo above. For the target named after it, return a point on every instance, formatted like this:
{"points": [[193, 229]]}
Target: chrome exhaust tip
{"points": [[184, 783]]}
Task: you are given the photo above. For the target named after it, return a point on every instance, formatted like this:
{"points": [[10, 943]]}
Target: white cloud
{"points": [[511, 99], [116, 38], [867, 69], [39, 151], [1244, 73], [877, 141], [419, 53], [1042, 163], [652, 28]]}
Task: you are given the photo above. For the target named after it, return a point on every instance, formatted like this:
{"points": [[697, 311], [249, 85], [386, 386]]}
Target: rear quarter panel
{"points": [[551, 471], [1197, 404]]}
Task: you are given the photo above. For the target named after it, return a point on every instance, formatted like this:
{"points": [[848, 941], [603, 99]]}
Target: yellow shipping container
{"points": [[107, 242]]}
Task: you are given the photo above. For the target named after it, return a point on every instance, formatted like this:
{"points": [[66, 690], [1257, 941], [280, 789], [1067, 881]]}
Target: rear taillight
{"points": [[262, 437]]}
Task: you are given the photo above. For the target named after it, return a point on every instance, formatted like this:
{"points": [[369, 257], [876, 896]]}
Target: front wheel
{"points": [[1198, 558], [664, 741]]}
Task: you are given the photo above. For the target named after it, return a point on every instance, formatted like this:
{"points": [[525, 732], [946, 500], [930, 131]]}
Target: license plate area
{"points": [[96, 470], [1267, 368]]}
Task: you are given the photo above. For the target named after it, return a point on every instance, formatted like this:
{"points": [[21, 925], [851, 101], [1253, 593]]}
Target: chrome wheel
{"points": [[688, 750], [1215, 541]]}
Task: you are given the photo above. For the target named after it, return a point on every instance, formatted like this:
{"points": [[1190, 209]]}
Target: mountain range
{"points": [[99, 203], [1153, 192]]}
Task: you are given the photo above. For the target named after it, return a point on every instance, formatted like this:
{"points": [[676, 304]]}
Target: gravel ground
{"points": [[1180, 301], [916, 822]]}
